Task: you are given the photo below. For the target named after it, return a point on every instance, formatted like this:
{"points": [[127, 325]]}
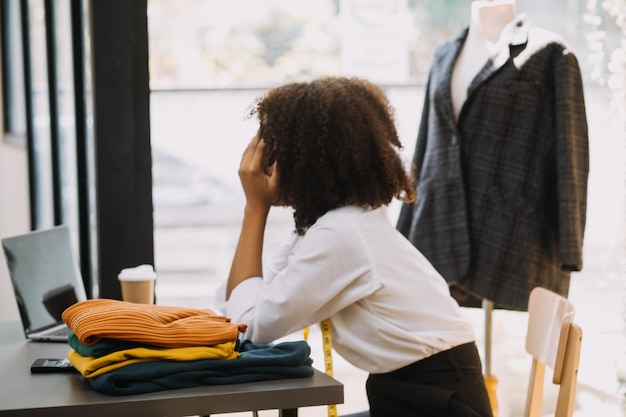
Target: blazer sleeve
{"points": [[572, 154]]}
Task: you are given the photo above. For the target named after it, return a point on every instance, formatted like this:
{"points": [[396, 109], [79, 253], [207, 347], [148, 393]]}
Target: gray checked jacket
{"points": [[502, 192]]}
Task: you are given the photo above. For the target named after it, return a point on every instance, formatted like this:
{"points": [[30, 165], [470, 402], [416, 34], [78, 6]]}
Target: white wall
{"points": [[14, 218], [14, 210]]}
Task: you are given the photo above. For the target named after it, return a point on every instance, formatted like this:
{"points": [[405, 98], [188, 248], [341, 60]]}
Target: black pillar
{"points": [[123, 161]]}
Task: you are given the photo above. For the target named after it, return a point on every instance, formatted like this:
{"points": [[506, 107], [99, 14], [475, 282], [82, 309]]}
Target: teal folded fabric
{"points": [[101, 348], [255, 363]]}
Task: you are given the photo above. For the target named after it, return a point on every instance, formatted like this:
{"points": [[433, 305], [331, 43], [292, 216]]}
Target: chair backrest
{"points": [[553, 340]]}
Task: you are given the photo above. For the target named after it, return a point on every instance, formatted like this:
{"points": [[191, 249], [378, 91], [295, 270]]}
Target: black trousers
{"points": [[447, 384]]}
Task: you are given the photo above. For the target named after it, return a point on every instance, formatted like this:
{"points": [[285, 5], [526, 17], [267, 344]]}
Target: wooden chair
{"points": [[554, 341]]}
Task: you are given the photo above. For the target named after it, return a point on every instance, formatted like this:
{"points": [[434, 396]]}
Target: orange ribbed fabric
{"points": [[166, 326]]}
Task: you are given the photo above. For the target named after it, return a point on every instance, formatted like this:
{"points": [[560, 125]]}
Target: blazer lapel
{"points": [[513, 36], [443, 71]]}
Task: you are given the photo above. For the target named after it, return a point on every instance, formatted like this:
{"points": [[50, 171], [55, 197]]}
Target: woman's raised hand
{"points": [[260, 184]]}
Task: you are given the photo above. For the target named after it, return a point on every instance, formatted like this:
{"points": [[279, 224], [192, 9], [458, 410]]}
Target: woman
{"points": [[329, 149]]}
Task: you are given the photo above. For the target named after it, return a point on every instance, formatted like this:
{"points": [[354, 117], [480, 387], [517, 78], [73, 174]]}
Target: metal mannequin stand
{"points": [[491, 382]]}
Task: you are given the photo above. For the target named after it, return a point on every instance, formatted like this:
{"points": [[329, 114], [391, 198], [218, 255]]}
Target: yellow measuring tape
{"points": [[327, 343]]}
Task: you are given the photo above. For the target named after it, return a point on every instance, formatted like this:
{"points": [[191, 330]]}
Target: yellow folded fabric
{"points": [[91, 367], [164, 326]]}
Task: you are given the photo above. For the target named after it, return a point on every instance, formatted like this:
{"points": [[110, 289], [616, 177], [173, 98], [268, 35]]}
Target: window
{"points": [[41, 57]]}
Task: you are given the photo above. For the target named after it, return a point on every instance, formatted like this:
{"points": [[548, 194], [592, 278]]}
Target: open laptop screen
{"points": [[44, 274]]}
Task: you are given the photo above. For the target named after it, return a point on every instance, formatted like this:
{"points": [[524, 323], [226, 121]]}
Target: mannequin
{"points": [[488, 21], [501, 163]]}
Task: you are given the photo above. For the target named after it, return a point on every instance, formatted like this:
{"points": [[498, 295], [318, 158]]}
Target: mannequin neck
{"points": [[489, 18]]}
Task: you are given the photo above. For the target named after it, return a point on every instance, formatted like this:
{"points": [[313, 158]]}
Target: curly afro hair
{"points": [[335, 143]]}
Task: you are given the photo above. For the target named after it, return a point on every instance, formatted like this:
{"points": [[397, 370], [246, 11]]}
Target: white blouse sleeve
{"points": [[327, 269], [270, 269]]}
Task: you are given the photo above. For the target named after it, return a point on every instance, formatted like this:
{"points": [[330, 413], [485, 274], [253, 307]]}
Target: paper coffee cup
{"points": [[138, 284]]}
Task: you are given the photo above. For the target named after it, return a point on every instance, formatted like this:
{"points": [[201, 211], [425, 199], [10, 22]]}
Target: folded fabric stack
{"points": [[125, 348]]}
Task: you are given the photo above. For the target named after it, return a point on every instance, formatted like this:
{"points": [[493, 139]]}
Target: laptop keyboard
{"points": [[61, 331]]}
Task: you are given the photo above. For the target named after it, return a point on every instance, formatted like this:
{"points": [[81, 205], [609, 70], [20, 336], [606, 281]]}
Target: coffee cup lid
{"points": [[137, 273]]}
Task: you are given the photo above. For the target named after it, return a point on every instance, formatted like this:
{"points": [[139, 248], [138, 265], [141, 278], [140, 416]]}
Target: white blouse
{"points": [[388, 307]]}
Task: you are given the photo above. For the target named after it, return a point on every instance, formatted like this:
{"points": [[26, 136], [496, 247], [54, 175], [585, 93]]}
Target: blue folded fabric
{"points": [[256, 363]]}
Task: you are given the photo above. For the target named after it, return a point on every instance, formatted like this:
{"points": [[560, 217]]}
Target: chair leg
{"points": [[567, 393], [534, 398]]}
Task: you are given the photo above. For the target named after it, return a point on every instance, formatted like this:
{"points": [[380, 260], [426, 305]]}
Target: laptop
{"points": [[45, 279]]}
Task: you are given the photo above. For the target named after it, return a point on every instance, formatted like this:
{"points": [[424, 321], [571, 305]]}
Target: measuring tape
{"points": [[327, 343]]}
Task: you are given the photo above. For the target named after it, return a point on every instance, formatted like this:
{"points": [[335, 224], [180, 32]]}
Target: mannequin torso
{"points": [[488, 19]]}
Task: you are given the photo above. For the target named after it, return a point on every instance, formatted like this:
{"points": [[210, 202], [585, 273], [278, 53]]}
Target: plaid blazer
{"points": [[502, 192]]}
